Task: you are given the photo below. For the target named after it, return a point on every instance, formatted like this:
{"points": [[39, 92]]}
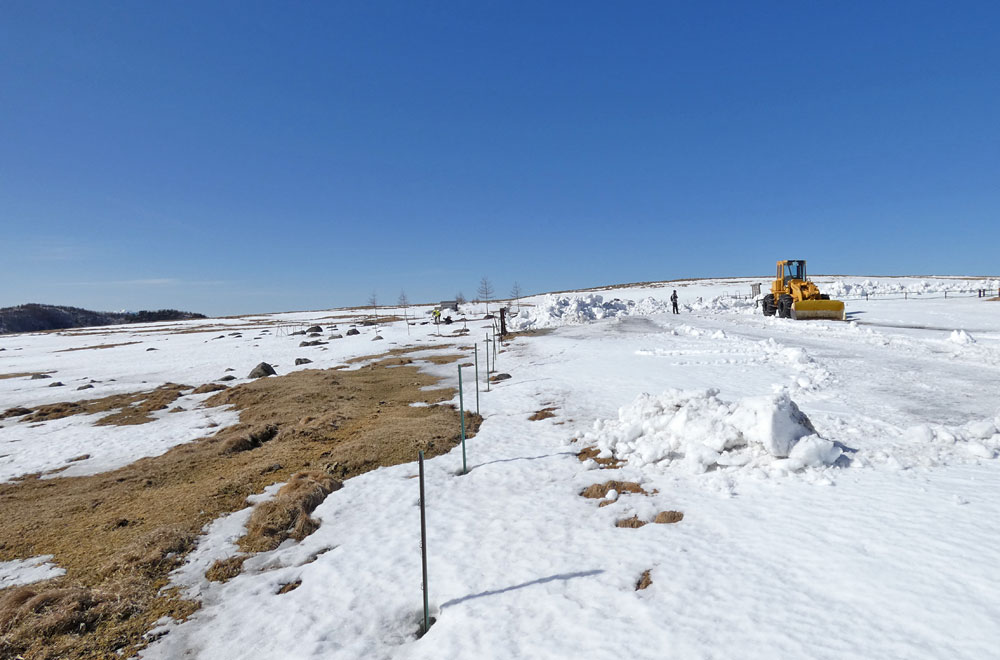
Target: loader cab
{"points": [[794, 269]]}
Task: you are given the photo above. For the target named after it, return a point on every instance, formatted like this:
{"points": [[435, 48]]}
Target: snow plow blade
{"points": [[818, 309]]}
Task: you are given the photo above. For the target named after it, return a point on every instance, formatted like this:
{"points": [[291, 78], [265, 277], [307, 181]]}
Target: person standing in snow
{"points": [[673, 301]]}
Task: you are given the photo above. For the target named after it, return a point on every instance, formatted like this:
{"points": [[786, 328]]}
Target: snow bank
{"points": [[27, 571], [845, 288], [961, 337], [700, 431], [557, 310]]}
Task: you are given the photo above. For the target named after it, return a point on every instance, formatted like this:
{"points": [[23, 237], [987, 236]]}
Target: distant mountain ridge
{"points": [[34, 317]]}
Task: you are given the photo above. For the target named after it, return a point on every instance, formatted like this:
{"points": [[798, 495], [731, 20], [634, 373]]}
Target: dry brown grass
{"points": [[27, 374], [129, 409], [668, 517], [224, 570], [287, 515], [97, 347], [209, 387], [544, 413], [600, 491], [644, 580], [119, 533], [630, 523]]}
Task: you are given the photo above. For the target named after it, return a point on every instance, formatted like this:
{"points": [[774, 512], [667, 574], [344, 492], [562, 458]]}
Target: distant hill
{"points": [[34, 317]]}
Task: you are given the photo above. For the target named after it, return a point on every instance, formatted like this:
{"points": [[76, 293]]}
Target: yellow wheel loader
{"points": [[794, 296]]}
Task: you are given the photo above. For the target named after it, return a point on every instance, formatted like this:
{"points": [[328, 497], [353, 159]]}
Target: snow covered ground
{"points": [[838, 483]]}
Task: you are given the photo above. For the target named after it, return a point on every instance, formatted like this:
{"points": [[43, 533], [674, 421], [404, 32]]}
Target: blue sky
{"points": [[235, 157]]}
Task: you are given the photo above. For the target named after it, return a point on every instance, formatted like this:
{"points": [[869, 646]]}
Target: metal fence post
{"points": [[476, 347], [461, 411], [423, 546]]}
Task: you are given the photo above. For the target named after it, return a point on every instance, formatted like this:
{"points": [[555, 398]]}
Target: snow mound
{"points": [[961, 337], [698, 430], [844, 288], [980, 439], [555, 310]]}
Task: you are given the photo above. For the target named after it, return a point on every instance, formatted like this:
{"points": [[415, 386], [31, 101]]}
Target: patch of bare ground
{"points": [[593, 453], [226, 569], [662, 518], [544, 413], [25, 374], [208, 388], [600, 491], [537, 332], [97, 347], [287, 515], [644, 580], [118, 534], [129, 409]]}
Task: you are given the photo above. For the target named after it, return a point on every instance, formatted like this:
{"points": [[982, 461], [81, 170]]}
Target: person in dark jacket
{"points": [[673, 301]]}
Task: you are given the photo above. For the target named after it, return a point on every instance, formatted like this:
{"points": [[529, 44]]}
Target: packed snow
{"points": [[19, 572], [836, 479]]}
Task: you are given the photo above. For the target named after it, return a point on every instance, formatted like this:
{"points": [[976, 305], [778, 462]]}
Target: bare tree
{"points": [[515, 293], [485, 292], [404, 302], [373, 301], [460, 298]]}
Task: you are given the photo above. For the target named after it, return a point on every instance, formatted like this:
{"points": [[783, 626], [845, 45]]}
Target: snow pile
{"points": [[981, 438], [961, 337], [553, 311], [27, 571], [700, 431], [844, 288]]}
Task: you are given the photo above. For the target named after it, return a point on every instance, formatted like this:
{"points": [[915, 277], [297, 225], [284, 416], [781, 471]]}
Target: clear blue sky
{"points": [[231, 157]]}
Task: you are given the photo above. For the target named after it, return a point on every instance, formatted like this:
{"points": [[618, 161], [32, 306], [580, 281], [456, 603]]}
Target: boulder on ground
{"points": [[353, 331], [262, 370], [301, 361], [498, 377], [228, 378], [298, 332], [151, 349], [377, 338], [336, 336], [315, 342], [40, 376], [56, 384], [314, 328], [88, 386]]}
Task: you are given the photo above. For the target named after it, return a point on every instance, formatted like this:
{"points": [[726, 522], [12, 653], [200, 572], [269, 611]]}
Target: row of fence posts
{"points": [[490, 343]]}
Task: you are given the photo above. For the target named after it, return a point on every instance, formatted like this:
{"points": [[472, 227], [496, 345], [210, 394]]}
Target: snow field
{"points": [[791, 553]]}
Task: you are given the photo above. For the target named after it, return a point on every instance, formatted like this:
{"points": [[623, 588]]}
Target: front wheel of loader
{"points": [[767, 304], [785, 307]]}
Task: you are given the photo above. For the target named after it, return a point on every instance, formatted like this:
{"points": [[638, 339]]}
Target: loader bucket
{"points": [[818, 309]]}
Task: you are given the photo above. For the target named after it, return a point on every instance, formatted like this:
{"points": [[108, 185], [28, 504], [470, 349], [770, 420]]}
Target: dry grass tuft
{"points": [[630, 523], [99, 346], [225, 570], [291, 586], [668, 517], [15, 412], [599, 491], [209, 387], [251, 440], [544, 413], [287, 515], [644, 580]]}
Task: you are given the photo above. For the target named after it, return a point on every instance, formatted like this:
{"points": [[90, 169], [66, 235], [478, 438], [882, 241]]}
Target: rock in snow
{"points": [[261, 370]]}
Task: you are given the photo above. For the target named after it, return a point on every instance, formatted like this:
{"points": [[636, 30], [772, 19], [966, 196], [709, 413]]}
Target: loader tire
{"points": [[824, 296], [767, 304], [785, 307]]}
